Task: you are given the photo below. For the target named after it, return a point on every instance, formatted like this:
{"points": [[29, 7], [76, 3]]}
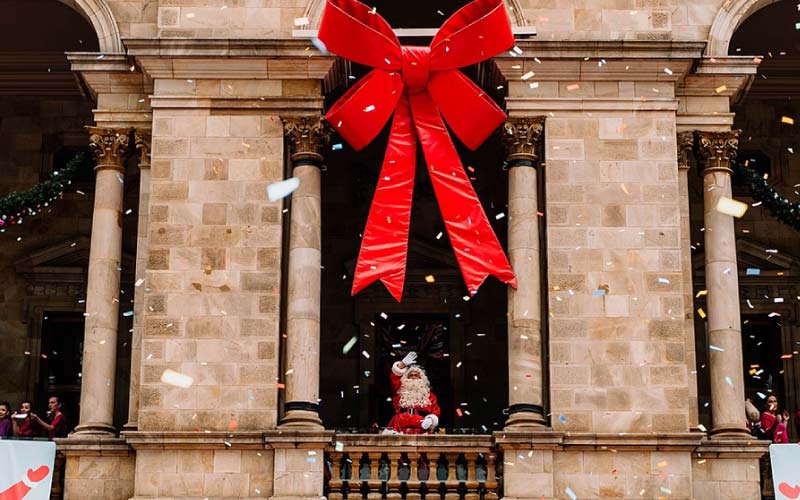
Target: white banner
{"points": [[26, 469], [785, 459]]}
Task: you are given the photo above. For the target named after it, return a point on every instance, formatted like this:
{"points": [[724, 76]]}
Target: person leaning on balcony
{"points": [[6, 427], [773, 424], [57, 425]]}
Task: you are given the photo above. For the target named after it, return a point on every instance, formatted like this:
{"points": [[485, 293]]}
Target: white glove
{"points": [[430, 421], [410, 358]]}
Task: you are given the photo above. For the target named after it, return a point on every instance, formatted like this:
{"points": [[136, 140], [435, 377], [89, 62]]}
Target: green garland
{"points": [[780, 207], [15, 206]]}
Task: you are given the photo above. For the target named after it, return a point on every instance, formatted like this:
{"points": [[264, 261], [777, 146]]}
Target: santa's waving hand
{"points": [[415, 407]]}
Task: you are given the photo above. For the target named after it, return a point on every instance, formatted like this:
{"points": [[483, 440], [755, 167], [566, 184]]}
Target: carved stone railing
{"points": [[412, 468]]}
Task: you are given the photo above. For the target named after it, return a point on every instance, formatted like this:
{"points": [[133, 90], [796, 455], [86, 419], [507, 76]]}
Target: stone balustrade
{"points": [[412, 467]]}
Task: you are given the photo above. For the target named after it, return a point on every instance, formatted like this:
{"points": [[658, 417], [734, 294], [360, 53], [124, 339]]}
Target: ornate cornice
{"points": [[521, 137], [110, 146], [717, 150], [685, 146], [306, 137], [142, 143]]}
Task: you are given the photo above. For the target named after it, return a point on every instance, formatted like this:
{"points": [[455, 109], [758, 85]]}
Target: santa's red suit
{"points": [[421, 417]]}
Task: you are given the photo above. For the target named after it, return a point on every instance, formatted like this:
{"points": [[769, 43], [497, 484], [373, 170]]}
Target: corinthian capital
{"points": [[685, 147], [521, 136], [306, 137], [717, 150], [142, 143], [110, 146]]}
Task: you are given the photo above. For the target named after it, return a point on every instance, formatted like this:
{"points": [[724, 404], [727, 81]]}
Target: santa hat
{"points": [[402, 372]]}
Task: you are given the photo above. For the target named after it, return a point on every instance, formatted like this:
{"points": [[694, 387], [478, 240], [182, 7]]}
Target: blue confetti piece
{"points": [[127, 314], [562, 419], [316, 42], [753, 271], [570, 493], [337, 147], [311, 460], [598, 293]]}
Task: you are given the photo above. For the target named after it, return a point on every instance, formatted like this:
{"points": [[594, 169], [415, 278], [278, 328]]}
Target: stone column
{"points": [[685, 146], [521, 138], [717, 152], [110, 147], [142, 143], [306, 138]]}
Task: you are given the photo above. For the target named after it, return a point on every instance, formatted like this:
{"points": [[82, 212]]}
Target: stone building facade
{"points": [[593, 379]]}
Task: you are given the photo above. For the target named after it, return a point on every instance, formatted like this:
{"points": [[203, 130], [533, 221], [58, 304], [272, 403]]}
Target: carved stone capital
{"points": [[110, 146], [716, 151], [521, 137], [306, 137], [142, 139], [685, 147]]}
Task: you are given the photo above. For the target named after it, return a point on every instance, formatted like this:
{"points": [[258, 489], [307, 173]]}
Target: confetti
{"points": [[787, 120], [570, 493], [337, 147], [371, 107], [384, 315], [598, 293], [429, 278], [773, 314], [729, 206], [573, 86], [701, 313], [664, 281], [171, 377], [139, 282], [729, 381], [753, 271], [562, 419], [666, 491], [439, 236], [499, 216], [702, 428], [715, 348], [280, 190], [528, 75], [701, 293], [128, 314], [339, 446], [301, 21], [720, 89], [668, 71], [349, 345], [761, 395], [661, 464], [534, 85], [365, 354]]}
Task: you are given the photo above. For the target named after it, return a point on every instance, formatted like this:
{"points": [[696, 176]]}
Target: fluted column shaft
{"points": [[305, 137], [717, 152], [110, 147], [685, 146], [142, 143], [521, 137]]}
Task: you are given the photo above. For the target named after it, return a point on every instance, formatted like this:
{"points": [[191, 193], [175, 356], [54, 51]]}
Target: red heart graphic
{"points": [[789, 491]]}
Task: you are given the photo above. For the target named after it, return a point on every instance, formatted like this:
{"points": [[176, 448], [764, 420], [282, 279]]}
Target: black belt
{"points": [[414, 411]]}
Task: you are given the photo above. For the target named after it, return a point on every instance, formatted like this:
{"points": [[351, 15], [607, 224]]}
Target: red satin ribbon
{"points": [[423, 88]]}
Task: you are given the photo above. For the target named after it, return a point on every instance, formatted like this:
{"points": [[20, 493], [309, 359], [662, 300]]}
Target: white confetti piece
{"points": [[301, 21], [499, 216], [528, 75], [172, 377], [715, 348], [439, 236], [384, 315], [729, 381], [729, 206], [570, 493], [280, 190], [668, 71], [127, 314], [365, 354], [139, 282], [664, 281], [701, 427]]}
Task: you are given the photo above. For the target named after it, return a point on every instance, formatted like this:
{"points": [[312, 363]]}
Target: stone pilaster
{"points": [[111, 146], [142, 143], [521, 137], [306, 137], [717, 152], [685, 145]]}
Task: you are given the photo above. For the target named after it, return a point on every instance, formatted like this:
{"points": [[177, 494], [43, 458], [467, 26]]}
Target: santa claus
{"points": [[416, 411]]}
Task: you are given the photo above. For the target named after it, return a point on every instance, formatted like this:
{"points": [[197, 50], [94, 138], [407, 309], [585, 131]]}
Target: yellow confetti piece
{"points": [[729, 206], [720, 89], [701, 312], [787, 119], [429, 278], [573, 86], [701, 293], [663, 463]]}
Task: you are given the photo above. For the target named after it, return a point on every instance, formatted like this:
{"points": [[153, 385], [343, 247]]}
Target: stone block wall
{"points": [[99, 477], [213, 270], [729, 478], [204, 474], [618, 360]]}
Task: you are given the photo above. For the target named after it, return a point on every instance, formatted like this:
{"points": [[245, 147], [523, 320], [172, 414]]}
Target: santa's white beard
{"points": [[414, 392]]}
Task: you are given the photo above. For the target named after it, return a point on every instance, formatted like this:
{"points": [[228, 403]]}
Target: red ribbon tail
{"points": [[384, 248], [477, 249]]}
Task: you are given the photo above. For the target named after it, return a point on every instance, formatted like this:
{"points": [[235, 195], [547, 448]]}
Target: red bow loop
{"points": [[421, 86]]}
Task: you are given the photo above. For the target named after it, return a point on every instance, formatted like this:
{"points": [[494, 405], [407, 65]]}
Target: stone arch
{"points": [[729, 18], [99, 15], [314, 13]]}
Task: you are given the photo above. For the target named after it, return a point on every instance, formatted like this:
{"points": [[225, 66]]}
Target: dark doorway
{"points": [[61, 362], [763, 366]]}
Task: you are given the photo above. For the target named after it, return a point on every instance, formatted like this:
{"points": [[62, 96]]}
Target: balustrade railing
{"points": [[412, 468]]}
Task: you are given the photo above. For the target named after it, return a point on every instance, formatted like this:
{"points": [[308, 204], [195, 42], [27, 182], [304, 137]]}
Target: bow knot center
{"points": [[416, 64]]}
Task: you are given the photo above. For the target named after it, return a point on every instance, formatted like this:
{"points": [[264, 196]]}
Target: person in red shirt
{"points": [[773, 423], [24, 425], [57, 427], [416, 410]]}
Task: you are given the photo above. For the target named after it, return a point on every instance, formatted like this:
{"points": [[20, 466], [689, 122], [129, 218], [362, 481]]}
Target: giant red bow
{"points": [[423, 83]]}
